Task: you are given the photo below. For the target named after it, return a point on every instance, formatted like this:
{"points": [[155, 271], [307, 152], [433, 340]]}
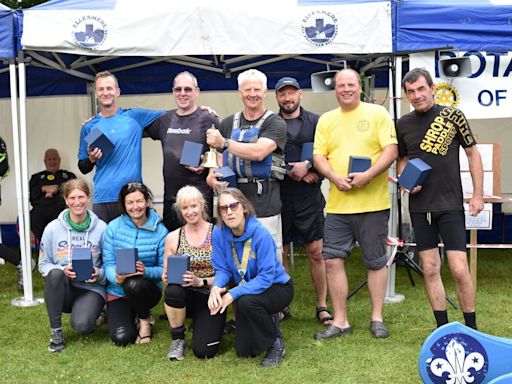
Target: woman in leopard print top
{"points": [[191, 299]]}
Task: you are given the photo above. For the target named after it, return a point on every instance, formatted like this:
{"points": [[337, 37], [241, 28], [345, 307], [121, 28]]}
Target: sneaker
{"points": [[285, 314], [378, 329], [102, 318], [230, 327], [273, 357], [176, 350], [19, 272], [56, 340]]}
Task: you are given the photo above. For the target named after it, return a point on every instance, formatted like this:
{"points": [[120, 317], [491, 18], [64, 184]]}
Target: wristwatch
{"points": [[308, 164], [226, 144]]}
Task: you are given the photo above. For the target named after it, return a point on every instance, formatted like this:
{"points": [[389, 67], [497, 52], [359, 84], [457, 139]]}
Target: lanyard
{"points": [[242, 268]]}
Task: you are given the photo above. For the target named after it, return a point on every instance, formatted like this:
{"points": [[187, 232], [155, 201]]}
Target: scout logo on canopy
{"points": [[89, 31], [320, 27]]}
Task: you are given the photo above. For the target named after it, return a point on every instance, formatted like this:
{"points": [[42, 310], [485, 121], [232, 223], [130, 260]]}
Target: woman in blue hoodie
{"points": [[131, 296], [244, 253], [75, 227]]}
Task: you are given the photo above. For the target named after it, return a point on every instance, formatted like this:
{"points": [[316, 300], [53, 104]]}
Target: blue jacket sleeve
{"points": [[263, 272], [109, 256], [155, 272], [219, 259], [101, 278]]}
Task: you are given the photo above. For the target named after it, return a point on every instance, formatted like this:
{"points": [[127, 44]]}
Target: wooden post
{"points": [[473, 255]]}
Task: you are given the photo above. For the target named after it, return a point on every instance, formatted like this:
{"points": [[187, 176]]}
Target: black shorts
{"points": [[449, 226], [303, 218]]}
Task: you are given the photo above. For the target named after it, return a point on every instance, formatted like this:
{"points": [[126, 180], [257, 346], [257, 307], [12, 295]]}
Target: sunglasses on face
{"points": [[233, 206], [184, 89]]}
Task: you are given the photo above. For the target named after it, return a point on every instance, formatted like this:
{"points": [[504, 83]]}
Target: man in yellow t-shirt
{"points": [[358, 204]]}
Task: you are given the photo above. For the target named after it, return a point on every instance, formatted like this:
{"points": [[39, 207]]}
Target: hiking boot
{"points": [[273, 357], [176, 350], [56, 340]]}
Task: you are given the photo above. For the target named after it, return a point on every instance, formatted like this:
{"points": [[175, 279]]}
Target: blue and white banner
{"points": [[485, 93], [204, 27]]}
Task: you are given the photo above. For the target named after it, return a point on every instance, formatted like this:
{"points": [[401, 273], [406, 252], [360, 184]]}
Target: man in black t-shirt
{"points": [[259, 155], [434, 134], [303, 202], [187, 122]]}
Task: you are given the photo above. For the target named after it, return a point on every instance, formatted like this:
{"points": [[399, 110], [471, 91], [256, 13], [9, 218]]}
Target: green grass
{"points": [[24, 337]]}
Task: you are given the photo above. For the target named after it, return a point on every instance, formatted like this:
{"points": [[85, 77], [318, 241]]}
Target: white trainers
{"points": [[176, 350]]}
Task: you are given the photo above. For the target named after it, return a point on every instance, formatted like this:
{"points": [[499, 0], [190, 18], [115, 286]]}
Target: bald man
{"points": [[45, 196]]}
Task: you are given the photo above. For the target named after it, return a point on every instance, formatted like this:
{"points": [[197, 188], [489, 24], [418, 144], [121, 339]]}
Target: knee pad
{"points": [[122, 337], [175, 296]]}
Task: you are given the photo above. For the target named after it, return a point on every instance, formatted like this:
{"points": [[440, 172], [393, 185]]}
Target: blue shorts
{"points": [[369, 229]]}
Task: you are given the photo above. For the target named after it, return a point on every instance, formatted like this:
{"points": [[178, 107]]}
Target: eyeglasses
{"points": [[233, 206], [184, 89]]}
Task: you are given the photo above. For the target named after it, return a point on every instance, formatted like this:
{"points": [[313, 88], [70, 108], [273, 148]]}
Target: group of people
{"points": [[277, 200], [260, 292]]}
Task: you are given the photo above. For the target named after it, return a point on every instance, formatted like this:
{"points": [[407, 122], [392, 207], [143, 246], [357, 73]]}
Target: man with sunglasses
{"points": [[188, 122], [124, 128]]}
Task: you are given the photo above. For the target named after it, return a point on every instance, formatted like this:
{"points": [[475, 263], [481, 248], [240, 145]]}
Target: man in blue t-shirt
{"points": [[124, 128]]}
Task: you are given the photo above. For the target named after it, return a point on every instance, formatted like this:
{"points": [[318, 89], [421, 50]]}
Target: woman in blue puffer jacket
{"points": [[131, 296]]}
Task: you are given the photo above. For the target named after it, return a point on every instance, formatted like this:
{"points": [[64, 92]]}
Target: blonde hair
{"points": [[188, 193]]}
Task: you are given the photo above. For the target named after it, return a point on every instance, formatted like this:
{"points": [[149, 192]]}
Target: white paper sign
{"points": [[467, 184], [482, 221]]}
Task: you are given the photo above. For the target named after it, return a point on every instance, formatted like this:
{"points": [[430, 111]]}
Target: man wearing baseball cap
{"points": [[303, 203]]}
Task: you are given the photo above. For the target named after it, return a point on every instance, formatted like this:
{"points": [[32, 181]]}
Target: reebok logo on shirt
{"points": [[179, 131]]}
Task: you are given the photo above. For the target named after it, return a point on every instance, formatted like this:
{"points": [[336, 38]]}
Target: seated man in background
{"points": [[45, 196]]}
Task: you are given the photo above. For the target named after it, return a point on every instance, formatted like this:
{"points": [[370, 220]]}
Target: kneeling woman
{"points": [[245, 253], [75, 227], [132, 296], [191, 299]]}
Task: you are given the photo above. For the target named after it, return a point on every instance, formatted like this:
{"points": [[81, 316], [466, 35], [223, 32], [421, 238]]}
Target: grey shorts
{"points": [[369, 229]]}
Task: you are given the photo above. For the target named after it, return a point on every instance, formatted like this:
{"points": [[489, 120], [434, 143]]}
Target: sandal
{"points": [[144, 336], [326, 319]]}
